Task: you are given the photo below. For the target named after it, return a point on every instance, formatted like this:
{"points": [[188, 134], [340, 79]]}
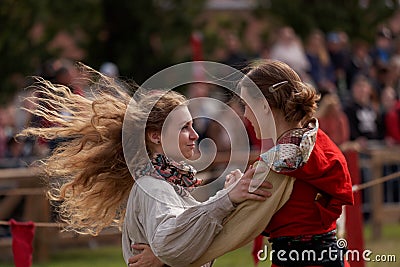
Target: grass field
{"points": [[112, 257], [389, 245]]}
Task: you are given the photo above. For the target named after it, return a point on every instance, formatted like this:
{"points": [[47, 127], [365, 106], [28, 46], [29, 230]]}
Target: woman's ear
{"points": [[154, 137]]}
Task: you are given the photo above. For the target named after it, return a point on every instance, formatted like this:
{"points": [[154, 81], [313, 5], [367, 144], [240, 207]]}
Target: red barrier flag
{"points": [[22, 236], [257, 246]]}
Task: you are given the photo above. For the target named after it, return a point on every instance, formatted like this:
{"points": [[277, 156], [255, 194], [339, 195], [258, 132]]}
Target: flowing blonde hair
{"points": [[87, 174]]}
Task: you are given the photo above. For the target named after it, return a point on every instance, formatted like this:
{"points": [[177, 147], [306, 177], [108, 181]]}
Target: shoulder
{"points": [[156, 192], [324, 140], [151, 186], [326, 146], [147, 180], [326, 159], [327, 152]]}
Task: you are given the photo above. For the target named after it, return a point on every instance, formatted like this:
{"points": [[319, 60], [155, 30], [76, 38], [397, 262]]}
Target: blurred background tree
{"points": [[140, 36], [143, 36], [28, 30], [358, 19]]}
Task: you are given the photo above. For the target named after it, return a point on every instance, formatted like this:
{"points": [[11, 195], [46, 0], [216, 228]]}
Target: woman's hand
{"points": [[231, 178], [145, 259], [240, 187]]}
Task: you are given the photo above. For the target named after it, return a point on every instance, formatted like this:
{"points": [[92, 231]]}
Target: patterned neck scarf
{"points": [[179, 174], [293, 148]]}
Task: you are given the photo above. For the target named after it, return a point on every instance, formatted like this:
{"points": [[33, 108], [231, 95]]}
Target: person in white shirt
{"points": [[122, 164]]}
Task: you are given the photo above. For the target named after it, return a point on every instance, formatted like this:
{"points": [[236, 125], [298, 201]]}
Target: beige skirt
{"points": [[249, 219]]}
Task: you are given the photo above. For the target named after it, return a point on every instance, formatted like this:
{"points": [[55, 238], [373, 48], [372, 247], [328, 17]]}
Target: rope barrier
{"points": [[40, 224], [40, 191], [376, 181]]}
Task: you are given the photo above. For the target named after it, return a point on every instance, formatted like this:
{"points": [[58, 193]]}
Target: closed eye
{"points": [[186, 126]]}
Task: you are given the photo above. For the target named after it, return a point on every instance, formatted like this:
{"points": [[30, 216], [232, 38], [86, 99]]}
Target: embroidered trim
{"points": [[293, 148]]}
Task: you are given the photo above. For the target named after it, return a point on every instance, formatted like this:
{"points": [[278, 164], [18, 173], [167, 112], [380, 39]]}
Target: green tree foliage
{"points": [[357, 19], [140, 36], [145, 36], [27, 27]]}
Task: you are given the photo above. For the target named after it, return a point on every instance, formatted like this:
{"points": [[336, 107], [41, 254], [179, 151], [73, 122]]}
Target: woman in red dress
{"points": [[303, 230], [307, 222]]}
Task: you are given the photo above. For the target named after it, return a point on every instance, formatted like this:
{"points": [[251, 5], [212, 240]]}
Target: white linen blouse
{"points": [[178, 229]]}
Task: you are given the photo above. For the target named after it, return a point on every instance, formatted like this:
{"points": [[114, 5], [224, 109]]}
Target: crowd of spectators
{"points": [[359, 84]]}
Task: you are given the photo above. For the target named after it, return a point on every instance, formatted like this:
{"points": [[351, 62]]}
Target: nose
{"points": [[193, 134], [246, 112]]}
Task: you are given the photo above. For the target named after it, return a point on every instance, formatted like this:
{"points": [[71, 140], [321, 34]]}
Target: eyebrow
{"points": [[183, 123], [238, 100], [242, 102]]}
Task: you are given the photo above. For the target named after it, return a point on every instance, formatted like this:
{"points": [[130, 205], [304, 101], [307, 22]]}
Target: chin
{"points": [[188, 155]]}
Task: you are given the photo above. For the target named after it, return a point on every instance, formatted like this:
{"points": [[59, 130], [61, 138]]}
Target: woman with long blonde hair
{"points": [[308, 171], [112, 168]]}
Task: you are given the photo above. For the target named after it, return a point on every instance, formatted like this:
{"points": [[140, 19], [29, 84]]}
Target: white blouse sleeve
{"points": [[178, 234]]}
